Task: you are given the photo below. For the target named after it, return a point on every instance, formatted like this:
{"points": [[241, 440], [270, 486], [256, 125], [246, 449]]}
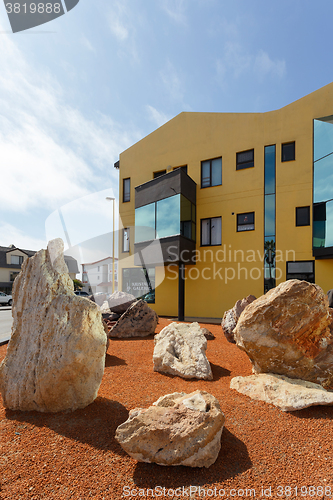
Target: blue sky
{"points": [[76, 92]]}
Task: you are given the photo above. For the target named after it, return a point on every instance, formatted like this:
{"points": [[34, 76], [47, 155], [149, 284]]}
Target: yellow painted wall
{"points": [[190, 138]]}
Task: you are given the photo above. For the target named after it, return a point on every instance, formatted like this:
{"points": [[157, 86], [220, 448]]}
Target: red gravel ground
{"points": [[265, 453]]}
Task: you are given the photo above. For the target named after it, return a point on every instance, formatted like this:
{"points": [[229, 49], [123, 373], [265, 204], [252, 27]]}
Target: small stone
{"points": [[285, 393], [180, 349], [178, 429], [230, 317], [208, 334], [139, 320]]}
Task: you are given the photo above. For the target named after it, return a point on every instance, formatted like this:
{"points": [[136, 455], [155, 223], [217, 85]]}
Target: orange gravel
{"points": [[265, 453]]}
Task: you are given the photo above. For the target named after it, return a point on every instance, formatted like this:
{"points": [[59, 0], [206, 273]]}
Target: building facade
{"points": [[97, 276], [217, 206]]}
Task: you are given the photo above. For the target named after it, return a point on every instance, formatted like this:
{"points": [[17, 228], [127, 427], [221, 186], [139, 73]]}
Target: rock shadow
{"points": [[219, 371], [317, 412], [111, 360], [232, 460], [94, 425]]}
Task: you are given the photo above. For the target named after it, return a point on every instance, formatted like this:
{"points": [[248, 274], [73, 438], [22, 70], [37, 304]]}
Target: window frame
{"points": [[308, 216], [125, 200], [210, 232], [158, 173], [288, 144], [128, 239], [210, 172], [242, 165], [239, 225]]}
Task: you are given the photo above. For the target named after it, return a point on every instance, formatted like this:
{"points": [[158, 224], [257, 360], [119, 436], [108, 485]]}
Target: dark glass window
{"points": [[301, 270], [302, 216], [183, 167], [245, 222], [211, 233], [245, 159], [159, 173], [211, 172], [126, 190], [288, 151], [16, 259], [126, 239]]}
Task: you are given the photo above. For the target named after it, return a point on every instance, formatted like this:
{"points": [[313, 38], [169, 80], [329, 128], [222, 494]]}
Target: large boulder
{"points": [[180, 349], [285, 393], [139, 320], [119, 302], [178, 429], [56, 356], [230, 317], [287, 332]]}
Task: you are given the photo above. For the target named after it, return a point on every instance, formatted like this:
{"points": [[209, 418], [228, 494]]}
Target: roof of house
{"points": [[5, 250]]}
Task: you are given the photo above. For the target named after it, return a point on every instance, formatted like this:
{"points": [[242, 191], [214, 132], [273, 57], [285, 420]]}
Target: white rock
{"points": [[178, 429], [180, 349], [56, 356], [285, 393]]}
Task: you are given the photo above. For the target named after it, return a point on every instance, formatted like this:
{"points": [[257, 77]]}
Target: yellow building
{"points": [[234, 202]]}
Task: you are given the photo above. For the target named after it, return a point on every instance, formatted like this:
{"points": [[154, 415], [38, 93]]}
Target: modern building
{"points": [[97, 276], [217, 206], [11, 260]]}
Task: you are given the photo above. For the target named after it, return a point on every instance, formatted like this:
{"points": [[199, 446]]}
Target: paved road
{"points": [[6, 321]]}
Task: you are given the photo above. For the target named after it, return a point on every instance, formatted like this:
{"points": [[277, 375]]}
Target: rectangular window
{"points": [[245, 159], [211, 172], [159, 173], [183, 167], [16, 259], [288, 151], [301, 270], [126, 190], [211, 231], [302, 216], [126, 240], [245, 222]]}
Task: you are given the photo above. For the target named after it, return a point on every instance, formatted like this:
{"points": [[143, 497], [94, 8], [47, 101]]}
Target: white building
{"points": [[97, 276]]}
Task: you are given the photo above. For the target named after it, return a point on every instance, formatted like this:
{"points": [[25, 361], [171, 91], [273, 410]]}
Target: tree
{"points": [[78, 285]]}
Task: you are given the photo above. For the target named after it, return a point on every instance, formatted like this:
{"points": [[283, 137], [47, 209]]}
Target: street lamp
{"points": [[109, 198]]}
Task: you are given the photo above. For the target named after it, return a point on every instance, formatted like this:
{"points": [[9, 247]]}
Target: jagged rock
{"points": [[105, 308], [178, 429], [119, 301], [231, 317], [287, 332], [99, 298], [139, 320], [180, 349], [56, 356], [285, 393], [207, 334]]}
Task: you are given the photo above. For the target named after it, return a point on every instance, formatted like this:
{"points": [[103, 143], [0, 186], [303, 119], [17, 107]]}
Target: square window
{"points": [[16, 259], [211, 233], [211, 172], [245, 222], [245, 159], [302, 216], [126, 190], [159, 173], [126, 240], [288, 151]]}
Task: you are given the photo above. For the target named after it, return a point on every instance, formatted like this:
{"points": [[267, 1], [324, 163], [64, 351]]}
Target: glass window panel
{"points": [[302, 216], [126, 240], [186, 229], [270, 214], [245, 156], [288, 152], [217, 172], [205, 232], [126, 190], [168, 216], [193, 213], [300, 267], [323, 179], [193, 236], [145, 223], [247, 218], [216, 231], [205, 173], [270, 169], [323, 139], [185, 209]]}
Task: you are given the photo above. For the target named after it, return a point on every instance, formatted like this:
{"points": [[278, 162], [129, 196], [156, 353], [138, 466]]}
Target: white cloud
{"points": [[124, 22], [11, 235], [156, 116], [236, 62], [172, 82], [50, 152], [175, 9]]}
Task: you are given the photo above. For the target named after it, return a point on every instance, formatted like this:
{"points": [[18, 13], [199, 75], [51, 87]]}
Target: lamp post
{"points": [[113, 209]]}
